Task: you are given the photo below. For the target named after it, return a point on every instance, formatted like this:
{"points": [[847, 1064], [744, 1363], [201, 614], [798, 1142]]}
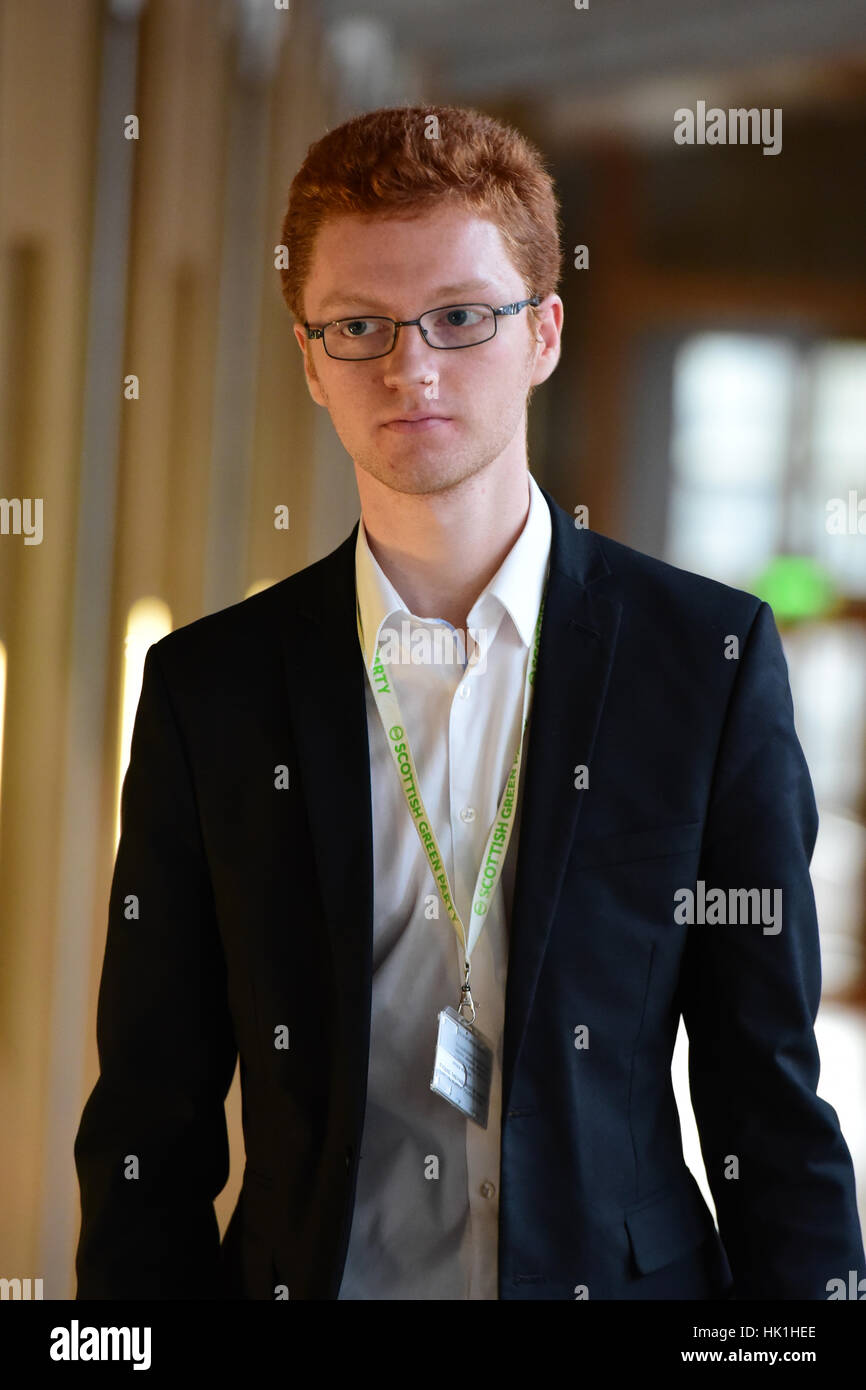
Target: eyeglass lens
{"points": [[456, 325]]}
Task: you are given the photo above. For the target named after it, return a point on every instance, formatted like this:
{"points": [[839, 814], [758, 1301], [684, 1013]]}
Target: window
{"points": [[768, 432], [768, 470]]}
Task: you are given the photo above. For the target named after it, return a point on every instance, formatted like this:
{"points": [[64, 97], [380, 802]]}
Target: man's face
{"points": [[401, 268]]}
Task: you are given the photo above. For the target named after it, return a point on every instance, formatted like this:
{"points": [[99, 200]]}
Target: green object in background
{"points": [[796, 587]]}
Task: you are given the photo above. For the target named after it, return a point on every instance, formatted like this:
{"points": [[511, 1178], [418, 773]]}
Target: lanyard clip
{"points": [[466, 1000]]}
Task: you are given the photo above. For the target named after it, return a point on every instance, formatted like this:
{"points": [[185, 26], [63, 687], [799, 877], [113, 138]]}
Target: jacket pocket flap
{"points": [[667, 1225], [652, 843]]}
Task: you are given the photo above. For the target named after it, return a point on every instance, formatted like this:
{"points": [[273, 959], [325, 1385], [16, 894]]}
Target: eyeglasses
{"points": [[448, 327]]}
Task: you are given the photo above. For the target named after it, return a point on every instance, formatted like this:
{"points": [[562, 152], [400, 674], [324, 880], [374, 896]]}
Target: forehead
{"points": [[394, 257]]}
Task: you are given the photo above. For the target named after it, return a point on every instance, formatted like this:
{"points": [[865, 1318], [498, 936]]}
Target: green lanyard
{"points": [[500, 832]]}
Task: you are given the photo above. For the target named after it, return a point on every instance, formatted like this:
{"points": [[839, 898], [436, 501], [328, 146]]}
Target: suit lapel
{"points": [[328, 714], [329, 720], [578, 638]]}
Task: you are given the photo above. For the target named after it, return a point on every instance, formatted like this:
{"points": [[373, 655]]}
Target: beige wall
{"points": [[49, 57], [130, 489]]}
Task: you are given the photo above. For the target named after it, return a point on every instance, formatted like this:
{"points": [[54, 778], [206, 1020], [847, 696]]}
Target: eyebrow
{"points": [[369, 302]]}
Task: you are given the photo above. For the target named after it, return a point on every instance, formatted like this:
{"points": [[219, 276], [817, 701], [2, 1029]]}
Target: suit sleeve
{"points": [[151, 1150], [789, 1219]]}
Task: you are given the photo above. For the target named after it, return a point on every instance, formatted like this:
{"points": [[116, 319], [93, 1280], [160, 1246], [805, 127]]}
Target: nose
{"points": [[412, 360]]}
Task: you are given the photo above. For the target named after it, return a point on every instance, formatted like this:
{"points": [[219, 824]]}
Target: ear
{"points": [[313, 384], [548, 334]]}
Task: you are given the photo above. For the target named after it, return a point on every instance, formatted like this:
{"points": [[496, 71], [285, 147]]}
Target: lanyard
{"points": [[499, 836]]}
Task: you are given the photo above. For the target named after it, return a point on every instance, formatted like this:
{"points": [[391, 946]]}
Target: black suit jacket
{"points": [[241, 906]]}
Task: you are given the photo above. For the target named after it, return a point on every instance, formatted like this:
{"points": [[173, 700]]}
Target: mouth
{"points": [[417, 424]]}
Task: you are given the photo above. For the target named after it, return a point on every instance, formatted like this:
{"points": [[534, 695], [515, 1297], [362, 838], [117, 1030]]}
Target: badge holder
{"points": [[463, 1064]]}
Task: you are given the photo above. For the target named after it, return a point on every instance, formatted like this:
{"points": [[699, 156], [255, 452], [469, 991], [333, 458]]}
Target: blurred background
{"points": [[709, 409]]}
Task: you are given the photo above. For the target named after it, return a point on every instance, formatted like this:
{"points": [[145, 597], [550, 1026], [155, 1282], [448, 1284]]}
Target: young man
{"points": [[453, 960]]}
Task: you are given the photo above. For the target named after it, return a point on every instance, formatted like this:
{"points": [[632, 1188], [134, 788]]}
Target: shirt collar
{"points": [[518, 584]]}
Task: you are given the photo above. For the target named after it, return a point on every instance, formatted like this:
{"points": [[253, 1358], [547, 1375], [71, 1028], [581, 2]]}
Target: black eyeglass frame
{"points": [[506, 310]]}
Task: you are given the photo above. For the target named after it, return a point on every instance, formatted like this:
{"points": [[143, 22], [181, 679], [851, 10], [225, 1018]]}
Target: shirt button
{"points": [[468, 813], [488, 1189], [464, 690]]}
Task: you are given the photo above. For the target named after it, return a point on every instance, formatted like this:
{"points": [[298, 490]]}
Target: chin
{"points": [[434, 479]]}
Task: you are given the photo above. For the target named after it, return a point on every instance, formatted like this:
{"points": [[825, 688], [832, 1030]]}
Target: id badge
{"points": [[463, 1067]]}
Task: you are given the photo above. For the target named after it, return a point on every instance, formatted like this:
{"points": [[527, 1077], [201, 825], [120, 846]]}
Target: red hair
{"points": [[383, 163]]}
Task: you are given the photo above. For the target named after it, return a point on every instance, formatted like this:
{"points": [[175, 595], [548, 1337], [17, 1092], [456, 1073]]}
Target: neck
{"points": [[440, 549]]}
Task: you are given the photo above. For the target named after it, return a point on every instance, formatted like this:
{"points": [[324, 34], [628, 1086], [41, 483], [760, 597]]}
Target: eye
{"points": [[462, 318], [357, 328]]}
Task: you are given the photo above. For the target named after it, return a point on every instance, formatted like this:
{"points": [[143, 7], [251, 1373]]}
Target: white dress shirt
{"points": [[425, 1221]]}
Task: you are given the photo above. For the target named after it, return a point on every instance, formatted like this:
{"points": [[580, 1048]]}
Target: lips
{"points": [[416, 424], [413, 416]]}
